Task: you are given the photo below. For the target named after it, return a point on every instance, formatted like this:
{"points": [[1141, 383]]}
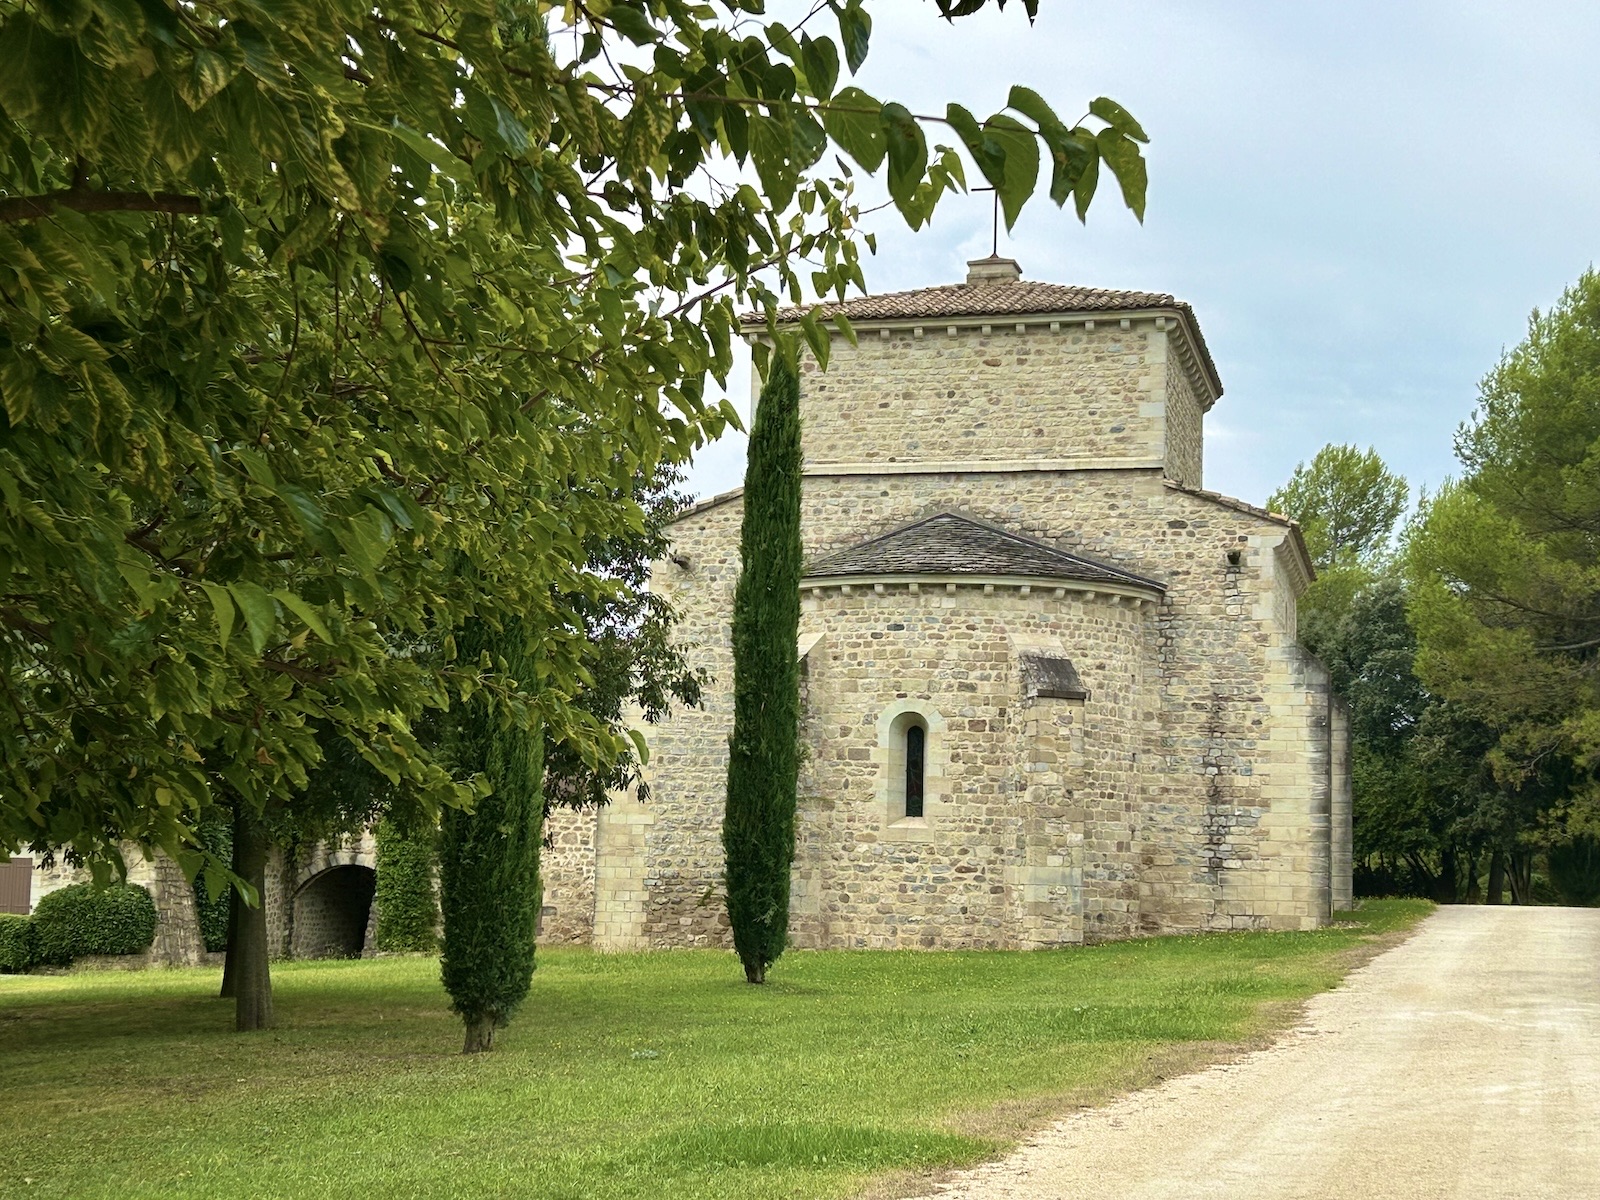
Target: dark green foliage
{"points": [[631, 657], [408, 911], [1575, 870], [84, 919], [489, 887], [211, 901], [16, 943], [763, 756]]}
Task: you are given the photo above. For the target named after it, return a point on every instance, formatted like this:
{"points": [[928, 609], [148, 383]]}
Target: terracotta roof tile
{"points": [[1001, 299]]}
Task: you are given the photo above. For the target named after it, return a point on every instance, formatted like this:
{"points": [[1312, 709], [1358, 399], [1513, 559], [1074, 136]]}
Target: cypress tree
{"points": [[763, 758], [489, 886]]}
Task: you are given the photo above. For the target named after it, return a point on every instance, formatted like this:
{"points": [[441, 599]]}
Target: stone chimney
{"points": [[993, 270]]}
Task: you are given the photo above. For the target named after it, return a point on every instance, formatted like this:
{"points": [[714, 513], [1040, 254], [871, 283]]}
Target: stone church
{"points": [[1052, 690]]}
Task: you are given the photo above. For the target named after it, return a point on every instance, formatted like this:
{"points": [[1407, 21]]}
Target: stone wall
{"points": [[1003, 396], [567, 870], [1185, 415]]}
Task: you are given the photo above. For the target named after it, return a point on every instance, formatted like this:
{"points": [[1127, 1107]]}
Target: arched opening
{"points": [[916, 766], [908, 743], [331, 911]]}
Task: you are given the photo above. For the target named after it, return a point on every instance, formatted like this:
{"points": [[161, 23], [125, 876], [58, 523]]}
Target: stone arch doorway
{"points": [[332, 911]]}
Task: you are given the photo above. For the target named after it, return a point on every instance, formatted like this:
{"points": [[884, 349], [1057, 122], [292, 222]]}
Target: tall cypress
{"points": [[763, 758], [489, 887]]}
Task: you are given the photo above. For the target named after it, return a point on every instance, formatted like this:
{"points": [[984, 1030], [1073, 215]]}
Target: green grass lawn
{"points": [[656, 1076]]}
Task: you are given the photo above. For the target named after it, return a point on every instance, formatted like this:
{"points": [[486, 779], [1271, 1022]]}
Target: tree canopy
{"points": [[1505, 567], [305, 306]]}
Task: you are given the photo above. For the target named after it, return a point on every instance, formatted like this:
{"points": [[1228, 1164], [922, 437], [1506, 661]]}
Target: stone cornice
{"points": [[1014, 466], [1111, 593]]}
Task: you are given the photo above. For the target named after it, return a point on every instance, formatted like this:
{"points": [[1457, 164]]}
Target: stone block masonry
{"points": [[1195, 781]]}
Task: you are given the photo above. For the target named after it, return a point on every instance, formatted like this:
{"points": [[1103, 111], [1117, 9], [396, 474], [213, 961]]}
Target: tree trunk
{"points": [[1474, 889], [1497, 877], [755, 972], [1521, 876], [480, 1035], [251, 976], [230, 959]]}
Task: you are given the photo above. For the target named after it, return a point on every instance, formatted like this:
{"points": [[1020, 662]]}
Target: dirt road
{"points": [[1465, 1063]]}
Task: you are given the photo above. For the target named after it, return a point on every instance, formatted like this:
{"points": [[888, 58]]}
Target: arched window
{"points": [[916, 766], [911, 759]]}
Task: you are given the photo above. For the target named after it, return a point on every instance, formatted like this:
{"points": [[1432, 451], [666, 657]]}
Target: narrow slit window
{"points": [[916, 744]]}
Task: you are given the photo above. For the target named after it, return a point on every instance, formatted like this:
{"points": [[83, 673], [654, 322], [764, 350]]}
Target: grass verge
{"points": [[662, 1076]]}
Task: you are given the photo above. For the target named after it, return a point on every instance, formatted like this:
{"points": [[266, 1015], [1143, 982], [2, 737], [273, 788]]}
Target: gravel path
{"points": [[1464, 1063]]}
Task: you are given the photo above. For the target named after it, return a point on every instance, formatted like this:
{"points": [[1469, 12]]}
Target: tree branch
{"points": [[86, 200]]}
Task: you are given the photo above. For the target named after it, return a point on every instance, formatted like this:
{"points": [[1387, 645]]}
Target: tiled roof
{"points": [[985, 300], [949, 543], [1005, 298]]}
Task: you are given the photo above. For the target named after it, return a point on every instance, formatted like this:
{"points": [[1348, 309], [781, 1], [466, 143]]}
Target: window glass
{"points": [[916, 742]]}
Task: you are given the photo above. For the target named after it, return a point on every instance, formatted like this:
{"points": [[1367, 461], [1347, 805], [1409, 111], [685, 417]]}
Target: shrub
{"points": [[83, 919], [408, 912], [16, 943]]}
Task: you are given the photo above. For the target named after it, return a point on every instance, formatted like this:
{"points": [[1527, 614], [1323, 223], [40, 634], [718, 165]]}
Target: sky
{"points": [[1362, 201]]}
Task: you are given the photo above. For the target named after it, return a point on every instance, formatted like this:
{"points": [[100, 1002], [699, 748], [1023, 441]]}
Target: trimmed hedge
{"points": [[16, 943], [408, 910], [83, 919]]}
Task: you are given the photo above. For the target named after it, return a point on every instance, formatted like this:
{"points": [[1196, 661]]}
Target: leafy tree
{"points": [[489, 888], [763, 753], [631, 661], [1505, 571], [301, 308], [1346, 501]]}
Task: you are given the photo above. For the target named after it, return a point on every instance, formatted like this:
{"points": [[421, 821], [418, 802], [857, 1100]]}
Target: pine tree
{"points": [[489, 885], [763, 759]]}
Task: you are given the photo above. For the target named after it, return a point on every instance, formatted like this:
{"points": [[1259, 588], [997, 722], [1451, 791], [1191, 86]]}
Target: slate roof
{"points": [[951, 543]]}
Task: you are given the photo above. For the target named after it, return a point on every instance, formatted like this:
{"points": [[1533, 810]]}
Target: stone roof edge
{"points": [[1266, 514], [1193, 351], [1152, 592], [963, 515], [710, 502]]}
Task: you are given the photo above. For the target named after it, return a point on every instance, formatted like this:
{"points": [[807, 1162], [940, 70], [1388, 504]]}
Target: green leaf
{"points": [[985, 150], [854, 120], [855, 31], [1021, 174], [1114, 115], [640, 746], [260, 614], [816, 337], [1083, 188], [908, 153], [222, 606], [1122, 155], [819, 58], [1032, 105], [770, 152], [308, 614], [632, 24], [210, 74]]}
